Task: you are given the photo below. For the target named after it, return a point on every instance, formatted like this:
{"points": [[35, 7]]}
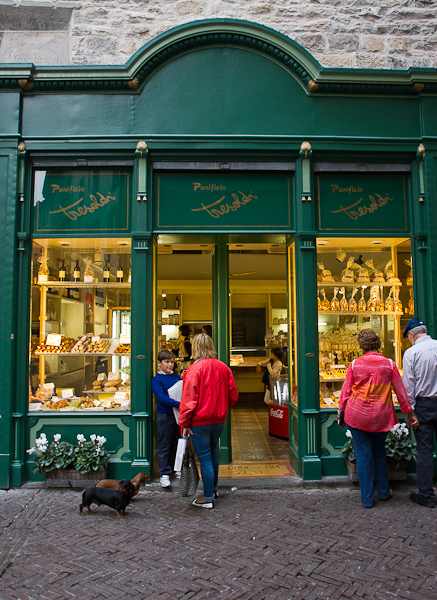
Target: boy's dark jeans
{"points": [[168, 435]]}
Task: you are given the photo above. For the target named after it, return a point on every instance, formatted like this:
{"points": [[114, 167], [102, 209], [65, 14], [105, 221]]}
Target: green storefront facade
{"points": [[287, 148]]}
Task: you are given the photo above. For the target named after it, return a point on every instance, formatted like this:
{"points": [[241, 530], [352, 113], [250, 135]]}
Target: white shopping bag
{"points": [[175, 393], [180, 453]]}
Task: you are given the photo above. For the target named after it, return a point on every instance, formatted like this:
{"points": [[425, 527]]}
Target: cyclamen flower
{"points": [[43, 448], [101, 439], [57, 437], [93, 437], [348, 434], [81, 438], [31, 450]]}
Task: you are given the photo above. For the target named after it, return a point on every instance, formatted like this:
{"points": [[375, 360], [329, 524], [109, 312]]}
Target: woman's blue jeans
{"points": [[205, 439], [371, 464]]}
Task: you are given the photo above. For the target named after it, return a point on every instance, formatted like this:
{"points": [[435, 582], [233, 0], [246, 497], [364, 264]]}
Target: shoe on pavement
{"points": [[388, 497], [165, 481], [202, 504], [417, 498], [216, 494], [177, 474]]}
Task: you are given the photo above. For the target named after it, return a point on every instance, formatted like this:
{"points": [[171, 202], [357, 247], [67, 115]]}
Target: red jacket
{"points": [[208, 392]]}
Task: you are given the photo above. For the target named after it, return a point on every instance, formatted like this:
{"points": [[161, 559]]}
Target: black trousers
{"points": [[168, 435], [426, 411]]}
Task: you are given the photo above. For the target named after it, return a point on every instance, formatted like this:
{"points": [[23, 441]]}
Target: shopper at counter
{"points": [[167, 427], [273, 371], [208, 330], [208, 393], [366, 400], [182, 352]]}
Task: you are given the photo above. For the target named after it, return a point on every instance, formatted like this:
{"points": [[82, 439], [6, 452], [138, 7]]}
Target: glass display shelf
{"points": [[81, 284], [360, 313]]}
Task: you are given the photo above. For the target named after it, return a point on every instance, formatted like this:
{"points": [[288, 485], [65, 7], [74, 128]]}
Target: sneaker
{"points": [[417, 498], [216, 494], [165, 481], [177, 474], [202, 504]]}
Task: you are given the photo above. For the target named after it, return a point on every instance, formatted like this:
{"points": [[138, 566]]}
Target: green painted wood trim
{"points": [[221, 328], [130, 77]]}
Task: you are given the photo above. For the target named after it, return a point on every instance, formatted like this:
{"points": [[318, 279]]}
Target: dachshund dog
{"points": [[117, 499], [137, 481]]}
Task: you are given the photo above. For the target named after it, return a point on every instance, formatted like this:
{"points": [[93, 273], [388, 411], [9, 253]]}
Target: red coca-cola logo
{"points": [[278, 413]]}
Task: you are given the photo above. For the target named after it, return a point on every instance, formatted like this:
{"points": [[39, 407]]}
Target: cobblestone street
{"points": [[258, 543]]}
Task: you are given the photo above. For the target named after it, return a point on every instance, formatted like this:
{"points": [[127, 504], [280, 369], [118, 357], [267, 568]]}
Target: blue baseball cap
{"points": [[412, 323]]}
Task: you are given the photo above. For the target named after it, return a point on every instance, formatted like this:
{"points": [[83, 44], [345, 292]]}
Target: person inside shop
{"points": [[167, 427], [366, 406], [208, 330], [272, 374], [182, 352], [208, 393]]}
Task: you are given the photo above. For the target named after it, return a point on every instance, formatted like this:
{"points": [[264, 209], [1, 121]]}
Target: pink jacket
{"points": [[209, 390], [366, 394]]}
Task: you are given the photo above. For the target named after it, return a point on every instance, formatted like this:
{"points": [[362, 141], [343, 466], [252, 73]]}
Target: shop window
{"points": [[80, 325], [361, 283]]}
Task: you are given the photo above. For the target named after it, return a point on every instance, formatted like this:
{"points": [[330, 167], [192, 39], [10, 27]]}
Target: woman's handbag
{"points": [[189, 475], [266, 378]]}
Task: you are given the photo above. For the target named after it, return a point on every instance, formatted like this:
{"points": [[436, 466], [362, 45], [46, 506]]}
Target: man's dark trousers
{"points": [[426, 412]]}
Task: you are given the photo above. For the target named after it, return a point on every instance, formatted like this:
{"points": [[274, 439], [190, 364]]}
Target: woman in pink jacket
{"points": [[208, 392], [366, 400]]}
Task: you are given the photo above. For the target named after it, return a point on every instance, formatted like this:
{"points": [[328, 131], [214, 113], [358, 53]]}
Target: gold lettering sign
{"points": [[218, 211], [81, 211], [375, 203]]}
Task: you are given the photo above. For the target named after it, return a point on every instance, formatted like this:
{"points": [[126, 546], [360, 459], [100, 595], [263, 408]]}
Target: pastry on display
{"points": [[82, 345], [376, 275], [362, 306], [66, 345], [344, 306], [319, 302], [347, 275], [411, 303], [325, 305], [389, 274], [123, 349], [375, 304], [353, 307], [99, 347], [335, 303], [389, 303], [410, 274], [363, 275], [326, 274], [397, 303]]}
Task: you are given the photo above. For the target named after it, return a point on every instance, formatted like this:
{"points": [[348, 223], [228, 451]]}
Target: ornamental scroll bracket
{"points": [[141, 149], [421, 156], [306, 152]]}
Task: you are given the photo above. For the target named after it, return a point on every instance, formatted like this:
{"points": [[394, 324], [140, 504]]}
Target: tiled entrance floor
{"points": [[255, 453]]}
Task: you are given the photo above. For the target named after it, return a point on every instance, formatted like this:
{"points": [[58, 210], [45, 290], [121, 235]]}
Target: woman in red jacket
{"points": [[366, 400], [209, 390]]}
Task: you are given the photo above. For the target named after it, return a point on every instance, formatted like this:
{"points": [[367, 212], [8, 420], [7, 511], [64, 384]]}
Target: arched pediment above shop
{"points": [[132, 77]]}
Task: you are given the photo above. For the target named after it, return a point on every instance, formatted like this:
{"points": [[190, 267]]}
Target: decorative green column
{"points": [[220, 271], [141, 426], [309, 463]]}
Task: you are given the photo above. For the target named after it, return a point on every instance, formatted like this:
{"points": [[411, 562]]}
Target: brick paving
{"points": [[258, 543]]}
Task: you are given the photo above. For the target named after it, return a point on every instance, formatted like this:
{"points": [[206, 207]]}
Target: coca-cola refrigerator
{"points": [[279, 409]]}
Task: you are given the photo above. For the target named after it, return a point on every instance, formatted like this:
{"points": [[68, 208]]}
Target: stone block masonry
{"points": [[387, 34]]}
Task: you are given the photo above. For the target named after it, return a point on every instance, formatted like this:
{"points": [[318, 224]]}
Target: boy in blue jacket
{"points": [[168, 429]]}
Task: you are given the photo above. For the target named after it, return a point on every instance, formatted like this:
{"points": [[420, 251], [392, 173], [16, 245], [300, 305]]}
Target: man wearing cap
{"points": [[420, 380]]}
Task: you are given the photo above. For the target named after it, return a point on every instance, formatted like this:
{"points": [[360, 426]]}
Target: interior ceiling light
{"points": [[123, 243], [341, 255], [65, 243], [164, 295], [377, 242], [322, 242]]}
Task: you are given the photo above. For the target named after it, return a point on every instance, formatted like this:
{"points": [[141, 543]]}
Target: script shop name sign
{"points": [[369, 202], [87, 201], [223, 200]]}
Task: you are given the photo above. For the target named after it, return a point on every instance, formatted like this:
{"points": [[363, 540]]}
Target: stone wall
{"points": [[388, 34]]}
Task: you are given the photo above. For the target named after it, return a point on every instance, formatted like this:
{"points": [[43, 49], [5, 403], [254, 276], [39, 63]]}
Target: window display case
{"points": [[80, 325], [361, 284]]}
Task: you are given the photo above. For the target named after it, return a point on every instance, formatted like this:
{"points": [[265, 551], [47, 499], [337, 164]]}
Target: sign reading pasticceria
{"points": [[216, 200], [75, 201], [368, 202]]}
